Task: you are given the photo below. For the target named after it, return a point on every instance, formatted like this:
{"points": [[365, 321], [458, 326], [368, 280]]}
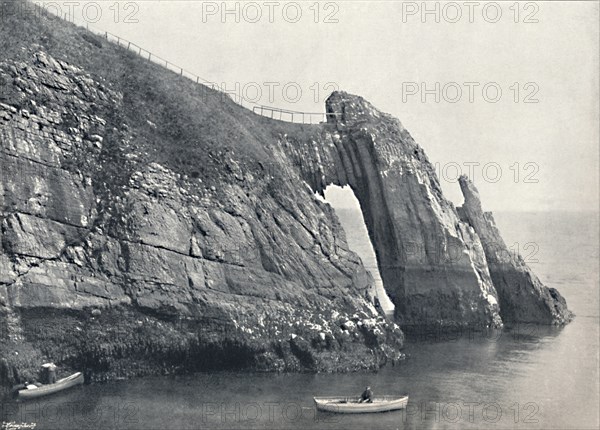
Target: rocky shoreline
{"points": [[150, 226]]}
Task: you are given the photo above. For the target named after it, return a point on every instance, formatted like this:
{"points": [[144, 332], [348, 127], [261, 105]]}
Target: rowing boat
{"points": [[351, 405], [60, 385]]}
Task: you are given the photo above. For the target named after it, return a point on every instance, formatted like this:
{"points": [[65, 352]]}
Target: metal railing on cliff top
{"points": [[266, 111]]}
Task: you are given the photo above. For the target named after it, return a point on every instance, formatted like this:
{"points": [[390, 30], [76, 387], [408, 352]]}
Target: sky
{"points": [[504, 92]]}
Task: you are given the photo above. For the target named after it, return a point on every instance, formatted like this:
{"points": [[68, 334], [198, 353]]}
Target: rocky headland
{"points": [[149, 225]]}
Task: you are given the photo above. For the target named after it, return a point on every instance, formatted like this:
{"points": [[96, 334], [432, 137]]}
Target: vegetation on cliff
{"points": [[146, 227], [151, 225]]}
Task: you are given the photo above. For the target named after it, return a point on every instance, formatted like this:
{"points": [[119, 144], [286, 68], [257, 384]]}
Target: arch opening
{"points": [[348, 210]]}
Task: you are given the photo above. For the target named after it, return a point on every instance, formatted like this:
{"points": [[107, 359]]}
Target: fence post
{"points": [[181, 71], [197, 77], [106, 35]]}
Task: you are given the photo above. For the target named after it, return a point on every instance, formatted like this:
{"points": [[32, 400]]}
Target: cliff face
{"points": [[523, 297], [431, 263], [151, 225], [143, 232]]}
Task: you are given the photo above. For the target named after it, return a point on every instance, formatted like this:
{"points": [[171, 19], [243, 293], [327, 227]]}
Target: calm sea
{"points": [[530, 377]]}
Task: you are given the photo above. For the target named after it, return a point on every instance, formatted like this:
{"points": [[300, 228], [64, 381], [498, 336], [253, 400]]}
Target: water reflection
{"points": [[478, 381], [522, 377]]}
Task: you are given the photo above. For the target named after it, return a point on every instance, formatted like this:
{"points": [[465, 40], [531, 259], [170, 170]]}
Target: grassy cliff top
{"points": [[195, 127]]}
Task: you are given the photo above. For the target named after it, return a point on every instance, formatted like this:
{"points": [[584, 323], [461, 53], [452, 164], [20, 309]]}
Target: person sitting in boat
{"points": [[366, 396], [49, 373]]}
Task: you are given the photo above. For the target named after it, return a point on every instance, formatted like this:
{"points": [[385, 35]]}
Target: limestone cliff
{"points": [[431, 263], [523, 297], [142, 230], [151, 225]]}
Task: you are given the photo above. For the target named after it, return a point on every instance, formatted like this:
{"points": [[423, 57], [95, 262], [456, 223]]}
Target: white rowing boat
{"points": [[44, 390], [351, 405]]}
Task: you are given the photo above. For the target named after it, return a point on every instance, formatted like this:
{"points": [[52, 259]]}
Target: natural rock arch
{"points": [[432, 261]]}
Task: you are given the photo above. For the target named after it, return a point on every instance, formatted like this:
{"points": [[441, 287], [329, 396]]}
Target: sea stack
{"points": [[523, 297]]}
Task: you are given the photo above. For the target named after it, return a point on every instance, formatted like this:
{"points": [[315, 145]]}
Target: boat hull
{"points": [[346, 405], [58, 386]]}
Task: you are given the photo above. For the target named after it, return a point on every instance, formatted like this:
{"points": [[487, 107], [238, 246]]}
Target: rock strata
{"points": [[523, 297], [431, 263], [150, 225], [118, 264]]}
